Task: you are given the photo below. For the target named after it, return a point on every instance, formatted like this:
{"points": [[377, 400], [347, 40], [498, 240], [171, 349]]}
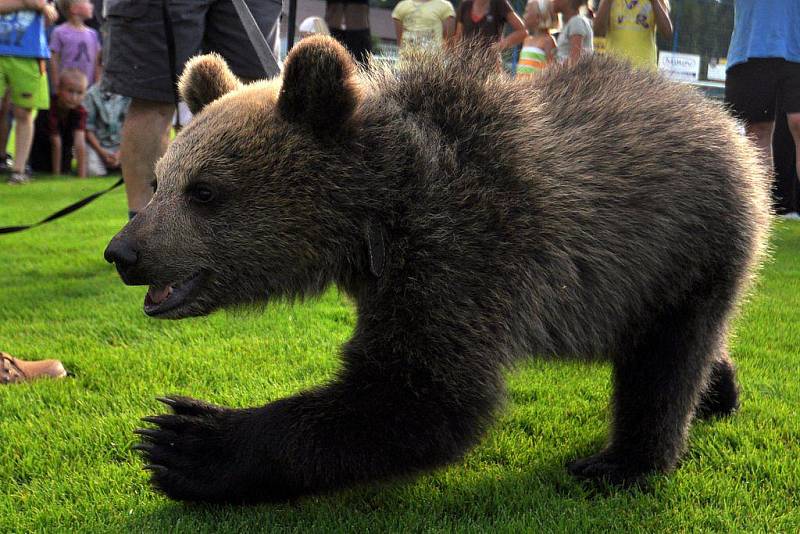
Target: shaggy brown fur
{"points": [[207, 78], [475, 221]]}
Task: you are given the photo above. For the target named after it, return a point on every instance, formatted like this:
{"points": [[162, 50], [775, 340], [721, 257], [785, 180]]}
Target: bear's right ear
{"points": [[319, 86], [205, 79]]}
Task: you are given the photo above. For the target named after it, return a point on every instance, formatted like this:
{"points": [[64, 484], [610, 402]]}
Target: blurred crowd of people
{"points": [[50, 74], [763, 64]]}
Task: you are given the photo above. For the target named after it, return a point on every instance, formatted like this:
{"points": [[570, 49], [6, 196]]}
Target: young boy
{"points": [[74, 44], [23, 51], [105, 115], [62, 128]]}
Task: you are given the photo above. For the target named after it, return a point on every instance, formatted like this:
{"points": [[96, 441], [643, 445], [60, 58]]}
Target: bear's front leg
{"points": [[202, 452], [377, 422]]}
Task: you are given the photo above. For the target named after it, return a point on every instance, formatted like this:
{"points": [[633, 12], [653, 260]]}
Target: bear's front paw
{"points": [[610, 468], [201, 452]]}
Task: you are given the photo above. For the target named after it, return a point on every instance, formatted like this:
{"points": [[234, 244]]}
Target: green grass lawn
{"points": [[65, 446]]}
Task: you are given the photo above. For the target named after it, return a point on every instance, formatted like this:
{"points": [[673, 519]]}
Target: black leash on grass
{"points": [[60, 213]]}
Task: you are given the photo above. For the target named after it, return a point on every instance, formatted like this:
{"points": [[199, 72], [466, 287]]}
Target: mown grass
{"points": [[65, 446]]}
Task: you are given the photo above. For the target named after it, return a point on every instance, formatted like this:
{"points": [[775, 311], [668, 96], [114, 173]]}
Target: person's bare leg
{"points": [[145, 135], [761, 133], [5, 127], [794, 126], [23, 137]]}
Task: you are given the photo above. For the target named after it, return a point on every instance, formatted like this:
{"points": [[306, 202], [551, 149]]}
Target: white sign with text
{"points": [[679, 67]]}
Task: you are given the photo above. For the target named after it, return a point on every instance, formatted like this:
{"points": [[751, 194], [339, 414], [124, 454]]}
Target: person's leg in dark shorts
{"points": [[354, 16], [789, 98], [225, 35], [751, 90], [786, 191], [138, 65]]}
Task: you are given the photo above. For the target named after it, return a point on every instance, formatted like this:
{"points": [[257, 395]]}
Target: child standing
{"points": [[539, 47], [23, 51], [423, 23], [62, 128], [576, 35], [74, 44]]}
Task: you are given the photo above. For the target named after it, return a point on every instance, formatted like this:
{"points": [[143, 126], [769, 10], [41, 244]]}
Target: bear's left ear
{"points": [[205, 79], [319, 87]]}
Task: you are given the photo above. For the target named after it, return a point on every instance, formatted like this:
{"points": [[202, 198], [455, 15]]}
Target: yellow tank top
{"points": [[632, 32]]}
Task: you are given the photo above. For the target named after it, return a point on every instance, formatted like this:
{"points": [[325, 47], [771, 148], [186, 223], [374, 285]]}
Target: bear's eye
{"points": [[154, 185], [202, 193]]}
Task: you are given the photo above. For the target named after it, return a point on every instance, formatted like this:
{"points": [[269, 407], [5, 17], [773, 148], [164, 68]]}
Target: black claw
{"points": [[147, 433], [155, 468], [144, 447], [155, 419], [169, 401]]}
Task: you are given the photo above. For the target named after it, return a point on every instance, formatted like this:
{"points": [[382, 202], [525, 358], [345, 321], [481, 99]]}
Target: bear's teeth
{"points": [[159, 295]]}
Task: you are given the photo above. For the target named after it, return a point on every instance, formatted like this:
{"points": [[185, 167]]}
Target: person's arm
{"points": [[550, 50], [663, 22], [55, 153], [602, 17], [9, 6], [398, 30], [459, 31], [98, 68], [575, 48], [518, 34], [94, 143], [48, 10], [448, 28], [55, 64], [50, 14], [79, 140]]}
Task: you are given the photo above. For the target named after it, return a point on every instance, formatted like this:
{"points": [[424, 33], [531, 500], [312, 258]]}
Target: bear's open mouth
{"points": [[160, 300]]}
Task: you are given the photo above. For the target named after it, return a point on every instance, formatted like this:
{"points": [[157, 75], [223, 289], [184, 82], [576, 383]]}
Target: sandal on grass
{"points": [[13, 370]]}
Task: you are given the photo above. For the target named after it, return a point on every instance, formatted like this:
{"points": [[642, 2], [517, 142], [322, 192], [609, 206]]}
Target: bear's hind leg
{"points": [[721, 396], [657, 384]]}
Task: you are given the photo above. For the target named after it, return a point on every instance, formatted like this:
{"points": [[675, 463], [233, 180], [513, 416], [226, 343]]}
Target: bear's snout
{"points": [[123, 255]]}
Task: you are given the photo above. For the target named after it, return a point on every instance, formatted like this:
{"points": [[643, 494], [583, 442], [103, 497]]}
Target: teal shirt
{"points": [[105, 113]]}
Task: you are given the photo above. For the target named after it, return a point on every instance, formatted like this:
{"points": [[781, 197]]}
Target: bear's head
{"points": [[247, 202]]}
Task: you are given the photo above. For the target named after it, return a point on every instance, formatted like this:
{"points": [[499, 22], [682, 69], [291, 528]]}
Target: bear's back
{"points": [[587, 195]]}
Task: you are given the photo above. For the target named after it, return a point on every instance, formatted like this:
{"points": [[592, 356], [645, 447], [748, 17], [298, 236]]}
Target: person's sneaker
{"points": [[19, 178], [791, 216]]}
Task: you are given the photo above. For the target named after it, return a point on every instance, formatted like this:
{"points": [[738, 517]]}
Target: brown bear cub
{"points": [[475, 221]]}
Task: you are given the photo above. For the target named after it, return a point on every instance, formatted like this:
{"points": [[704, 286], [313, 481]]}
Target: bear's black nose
{"points": [[120, 252]]}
